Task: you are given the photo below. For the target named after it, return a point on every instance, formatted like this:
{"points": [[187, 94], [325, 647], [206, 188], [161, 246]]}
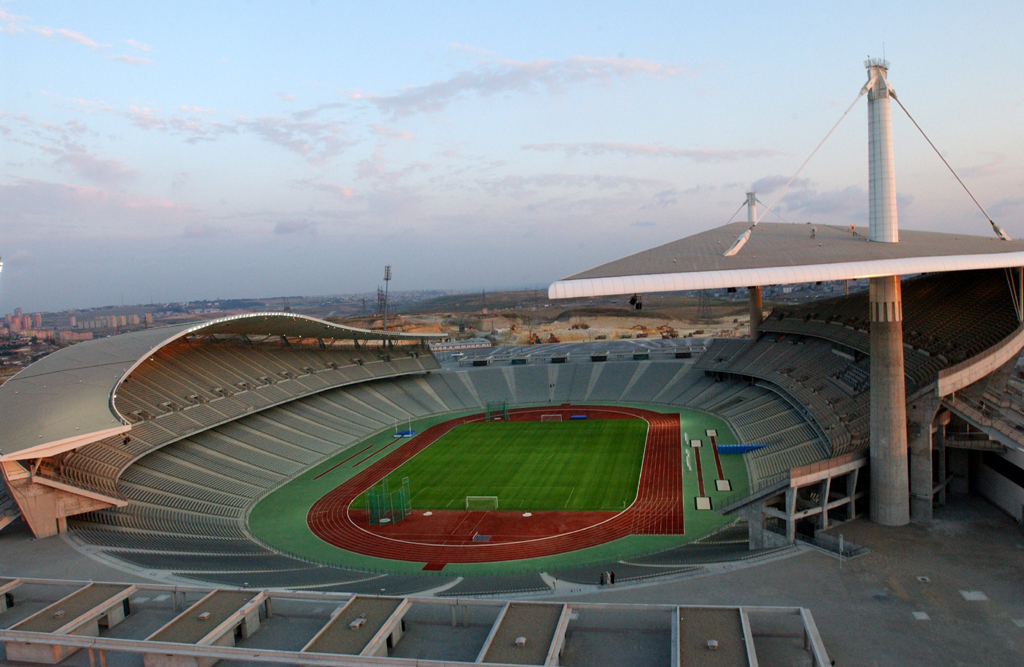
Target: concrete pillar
{"points": [[752, 207], [756, 311], [921, 415], [790, 511], [851, 491], [824, 489], [939, 443], [755, 526], [890, 489]]}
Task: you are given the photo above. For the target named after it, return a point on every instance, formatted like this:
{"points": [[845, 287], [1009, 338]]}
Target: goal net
{"points": [[497, 411], [551, 418], [481, 502]]}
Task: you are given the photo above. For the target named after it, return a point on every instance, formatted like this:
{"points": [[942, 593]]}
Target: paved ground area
{"points": [[875, 611], [868, 611]]}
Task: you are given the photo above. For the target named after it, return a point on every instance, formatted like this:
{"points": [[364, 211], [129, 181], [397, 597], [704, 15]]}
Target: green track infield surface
{"points": [[570, 465]]}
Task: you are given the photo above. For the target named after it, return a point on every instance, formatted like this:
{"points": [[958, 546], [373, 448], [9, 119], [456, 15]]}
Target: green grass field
{"points": [[569, 465], [280, 518]]}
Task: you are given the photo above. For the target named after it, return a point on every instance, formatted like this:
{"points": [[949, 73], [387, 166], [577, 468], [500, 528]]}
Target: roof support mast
{"points": [[890, 486]]}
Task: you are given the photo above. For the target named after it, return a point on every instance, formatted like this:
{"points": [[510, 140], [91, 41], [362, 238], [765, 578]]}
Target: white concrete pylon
{"points": [[883, 225]]}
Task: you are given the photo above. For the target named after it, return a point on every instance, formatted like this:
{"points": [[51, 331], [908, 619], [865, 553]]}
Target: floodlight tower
{"points": [[387, 280], [890, 485], [754, 293]]}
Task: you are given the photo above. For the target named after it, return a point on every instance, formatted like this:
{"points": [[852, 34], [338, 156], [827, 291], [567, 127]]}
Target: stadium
{"points": [[279, 451]]}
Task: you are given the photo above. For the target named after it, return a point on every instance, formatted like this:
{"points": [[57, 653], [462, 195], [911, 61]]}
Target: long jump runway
{"points": [[657, 510]]}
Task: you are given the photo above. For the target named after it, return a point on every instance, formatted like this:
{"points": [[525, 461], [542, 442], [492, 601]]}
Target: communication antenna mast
{"points": [[387, 279]]}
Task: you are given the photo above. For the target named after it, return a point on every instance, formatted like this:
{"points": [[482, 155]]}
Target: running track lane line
{"points": [[658, 508], [718, 462], [700, 472], [362, 461], [350, 458]]}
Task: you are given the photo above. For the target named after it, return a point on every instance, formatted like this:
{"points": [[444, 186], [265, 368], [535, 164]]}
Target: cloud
{"points": [[146, 118], [523, 186], [141, 46], [200, 231], [995, 165], [88, 105], [295, 227], [371, 166], [79, 38], [315, 141], [195, 109], [662, 199], [850, 204], [94, 168], [385, 131], [285, 96], [769, 184], [70, 35], [306, 114], [699, 155], [131, 60], [340, 191], [12, 23], [39, 209], [180, 179], [643, 223], [538, 76], [1006, 206]]}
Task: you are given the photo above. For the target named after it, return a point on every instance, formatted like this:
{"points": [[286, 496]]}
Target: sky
{"points": [[154, 152]]}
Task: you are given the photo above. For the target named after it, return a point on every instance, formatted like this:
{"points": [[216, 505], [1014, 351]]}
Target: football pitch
{"points": [[581, 465]]}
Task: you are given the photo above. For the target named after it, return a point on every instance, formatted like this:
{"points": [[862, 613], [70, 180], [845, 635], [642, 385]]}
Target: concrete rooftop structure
{"points": [[781, 253]]}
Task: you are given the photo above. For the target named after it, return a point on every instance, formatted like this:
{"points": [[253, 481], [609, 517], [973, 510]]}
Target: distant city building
{"points": [[37, 321], [7, 320], [15, 324], [17, 312], [41, 334], [133, 320], [74, 322], [149, 319], [122, 320], [74, 336], [112, 321], [26, 321]]}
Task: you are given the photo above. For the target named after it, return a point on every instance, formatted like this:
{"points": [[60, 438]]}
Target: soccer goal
{"points": [[481, 502], [551, 418]]}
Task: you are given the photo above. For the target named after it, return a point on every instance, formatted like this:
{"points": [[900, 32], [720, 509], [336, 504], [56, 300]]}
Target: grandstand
{"points": [[213, 423], [206, 424]]}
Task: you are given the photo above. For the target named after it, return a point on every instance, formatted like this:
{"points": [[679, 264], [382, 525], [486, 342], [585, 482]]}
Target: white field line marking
{"points": [[570, 496]]}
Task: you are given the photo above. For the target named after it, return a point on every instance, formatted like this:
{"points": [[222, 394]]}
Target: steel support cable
{"points": [[739, 243], [996, 228], [737, 211]]}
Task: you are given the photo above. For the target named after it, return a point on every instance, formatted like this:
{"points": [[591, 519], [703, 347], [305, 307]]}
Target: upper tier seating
{"points": [[188, 387], [947, 318]]}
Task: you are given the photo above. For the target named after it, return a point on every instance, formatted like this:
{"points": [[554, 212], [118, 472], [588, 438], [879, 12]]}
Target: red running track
{"points": [[657, 510]]}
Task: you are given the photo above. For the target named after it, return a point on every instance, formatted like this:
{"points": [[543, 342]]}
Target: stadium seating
{"points": [[187, 388]]}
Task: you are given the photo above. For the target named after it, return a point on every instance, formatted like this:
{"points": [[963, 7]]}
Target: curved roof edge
{"points": [[66, 400], [306, 327], [778, 275]]}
